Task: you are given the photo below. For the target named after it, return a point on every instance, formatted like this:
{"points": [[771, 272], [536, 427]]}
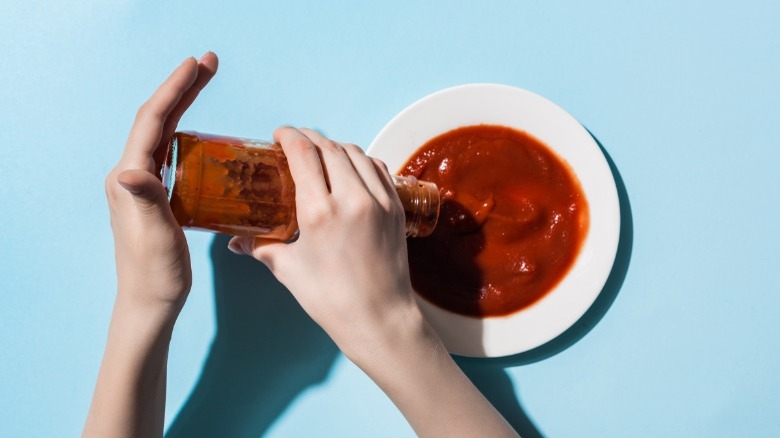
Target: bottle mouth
{"points": [[421, 204], [168, 169], [427, 208]]}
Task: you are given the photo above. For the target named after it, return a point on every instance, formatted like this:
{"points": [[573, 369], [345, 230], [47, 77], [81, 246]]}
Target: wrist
{"points": [[163, 299], [405, 337], [417, 373], [155, 283], [138, 341], [141, 317]]}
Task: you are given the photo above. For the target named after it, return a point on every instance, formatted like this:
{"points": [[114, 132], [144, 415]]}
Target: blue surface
{"points": [[684, 97]]}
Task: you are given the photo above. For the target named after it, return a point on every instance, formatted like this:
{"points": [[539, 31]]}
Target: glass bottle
{"points": [[243, 187]]}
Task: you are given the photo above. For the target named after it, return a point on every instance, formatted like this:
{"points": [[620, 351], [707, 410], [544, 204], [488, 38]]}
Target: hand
{"points": [[152, 258], [348, 269], [153, 267]]}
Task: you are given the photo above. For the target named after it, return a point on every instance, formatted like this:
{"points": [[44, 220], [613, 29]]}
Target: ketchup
{"points": [[513, 218]]}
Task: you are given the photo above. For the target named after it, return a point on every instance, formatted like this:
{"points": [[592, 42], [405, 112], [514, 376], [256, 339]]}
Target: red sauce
{"points": [[232, 185], [513, 218]]}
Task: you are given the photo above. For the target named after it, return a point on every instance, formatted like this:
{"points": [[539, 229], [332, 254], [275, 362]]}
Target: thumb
{"points": [[148, 192], [266, 251]]}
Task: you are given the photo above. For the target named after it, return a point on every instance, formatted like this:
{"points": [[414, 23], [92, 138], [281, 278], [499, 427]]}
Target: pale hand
{"points": [[153, 262], [348, 269]]}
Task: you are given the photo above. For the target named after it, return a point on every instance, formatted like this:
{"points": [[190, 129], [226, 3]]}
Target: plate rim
{"points": [[474, 340]]}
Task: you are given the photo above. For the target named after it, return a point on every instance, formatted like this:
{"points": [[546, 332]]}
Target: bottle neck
{"points": [[421, 202]]}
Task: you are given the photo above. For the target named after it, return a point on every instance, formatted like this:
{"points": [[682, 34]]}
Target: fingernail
{"points": [[203, 56]]}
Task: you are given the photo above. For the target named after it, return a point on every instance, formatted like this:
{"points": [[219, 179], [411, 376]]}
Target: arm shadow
{"points": [[496, 385], [266, 351], [490, 374]]}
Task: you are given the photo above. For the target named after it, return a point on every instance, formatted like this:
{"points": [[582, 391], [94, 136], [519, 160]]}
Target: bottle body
{"points": [[243, 187], [230, 185]]}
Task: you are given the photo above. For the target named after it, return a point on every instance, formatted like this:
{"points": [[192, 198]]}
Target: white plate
{"points": [[474, 104]]}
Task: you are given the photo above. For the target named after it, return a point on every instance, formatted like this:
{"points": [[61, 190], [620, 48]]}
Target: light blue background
{"points": [[684, 96]]}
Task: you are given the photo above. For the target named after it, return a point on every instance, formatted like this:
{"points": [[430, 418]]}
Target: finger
{"points": [[387, 180], [147, 129], [368, 172], [384, 174], [265, 250], [305, 164], [342, 175], [207, 68], [148, 193]]}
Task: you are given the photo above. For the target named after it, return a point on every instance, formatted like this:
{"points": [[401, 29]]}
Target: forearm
{"points": [[129, 397], [153, 266], [414, 369]]}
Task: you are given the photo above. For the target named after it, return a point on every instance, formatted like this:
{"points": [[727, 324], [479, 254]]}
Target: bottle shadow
{"points": [[490, 375], [265, 352]]}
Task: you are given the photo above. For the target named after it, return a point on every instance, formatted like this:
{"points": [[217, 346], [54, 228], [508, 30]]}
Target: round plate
{"points": [[495, 104]]}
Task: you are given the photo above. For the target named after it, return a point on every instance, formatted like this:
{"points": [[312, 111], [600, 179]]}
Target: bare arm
{"points": [[415, 370], [153, 268], [129, 398], [349, 271], [430, 390]]}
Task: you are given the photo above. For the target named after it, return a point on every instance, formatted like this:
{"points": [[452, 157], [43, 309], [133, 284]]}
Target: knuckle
{"points": [[380, 164], [110, 186], [353, 148], [316, 213], [143, 110], [385, 202], [331, 145], [361, 207], [280, 131], [147, 111], [302, 145]]}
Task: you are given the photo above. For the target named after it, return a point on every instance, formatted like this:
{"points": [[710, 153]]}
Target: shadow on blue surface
{"points": [[266, 351], [494, 382]]}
